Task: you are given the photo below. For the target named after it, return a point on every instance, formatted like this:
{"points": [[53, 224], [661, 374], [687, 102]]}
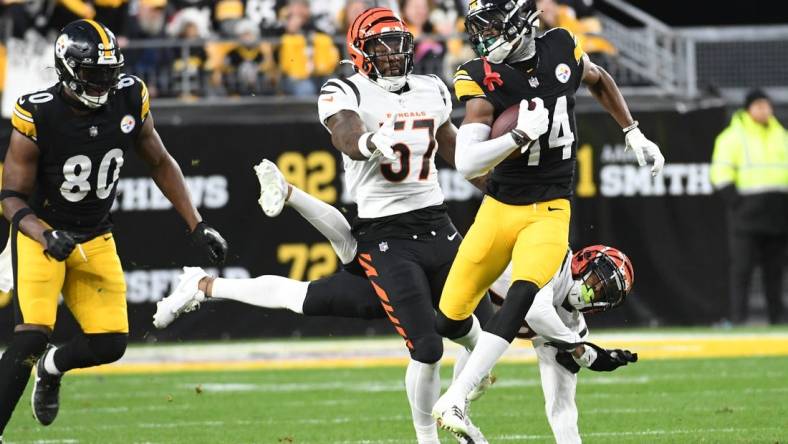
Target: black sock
{"points": [[17, 361], [90, 350], [507, 321]]}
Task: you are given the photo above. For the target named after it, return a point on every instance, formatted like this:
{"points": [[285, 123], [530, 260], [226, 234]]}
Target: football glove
{"points": [[208, 238], [383, 138], [533, 122], [607, 360], [642, 147], [59, 244]]}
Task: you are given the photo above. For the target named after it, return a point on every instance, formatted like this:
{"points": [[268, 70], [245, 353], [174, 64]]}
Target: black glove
{"points": [[59, 244], [567, 361], [206, 237], [608, 360]]}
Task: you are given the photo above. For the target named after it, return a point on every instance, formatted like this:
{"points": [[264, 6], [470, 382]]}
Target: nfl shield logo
{"points": [[93, 130], [384, 247], [534, 82]]}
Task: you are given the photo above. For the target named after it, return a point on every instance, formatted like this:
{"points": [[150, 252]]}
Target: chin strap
{"points": [[491, 78]]}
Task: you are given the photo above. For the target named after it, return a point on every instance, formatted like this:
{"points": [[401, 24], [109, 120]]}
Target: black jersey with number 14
{"points": [[80, 154], [546, 171]]}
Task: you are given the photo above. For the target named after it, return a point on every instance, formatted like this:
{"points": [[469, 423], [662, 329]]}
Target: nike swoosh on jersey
{"points": [[553, 209], [451, 238]]}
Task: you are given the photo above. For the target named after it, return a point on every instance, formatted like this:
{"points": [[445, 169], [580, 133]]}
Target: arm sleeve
{"points": [[22, 119], [476, 154], [544, 320], [337, 95]]}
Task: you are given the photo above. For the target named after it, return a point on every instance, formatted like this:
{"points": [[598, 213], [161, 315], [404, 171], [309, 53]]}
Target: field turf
{"points": [[723, 400]]}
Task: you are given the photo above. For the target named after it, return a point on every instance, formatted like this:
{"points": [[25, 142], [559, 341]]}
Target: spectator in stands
{"points": [[306, 56], [227, 14], [113, 14], [448, 18], [151, 64], [249, 65], [587, 30], [190, 27], [428, 52], [326, 13], [352, 10], [749, 169], [66, 11]]}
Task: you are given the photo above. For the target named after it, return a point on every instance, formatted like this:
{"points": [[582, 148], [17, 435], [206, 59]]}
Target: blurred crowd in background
{"points": [[199, 48]]}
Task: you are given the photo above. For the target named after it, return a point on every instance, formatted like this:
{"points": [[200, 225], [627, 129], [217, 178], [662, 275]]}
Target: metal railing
{"points": [[692, 63]]}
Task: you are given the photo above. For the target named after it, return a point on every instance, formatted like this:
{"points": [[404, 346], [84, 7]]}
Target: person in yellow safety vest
{"points": [[749, 169]]}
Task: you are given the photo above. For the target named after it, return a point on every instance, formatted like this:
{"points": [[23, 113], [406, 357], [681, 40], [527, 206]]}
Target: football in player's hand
{"points": [[506, 122]]}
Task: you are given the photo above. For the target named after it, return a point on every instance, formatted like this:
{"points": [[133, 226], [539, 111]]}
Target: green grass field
{"points": [[740, 400]]}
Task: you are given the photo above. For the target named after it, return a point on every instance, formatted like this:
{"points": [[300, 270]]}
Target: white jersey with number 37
{"points": [[382, 187]]}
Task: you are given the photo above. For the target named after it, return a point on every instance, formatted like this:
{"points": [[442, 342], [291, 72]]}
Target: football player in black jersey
{"points": [[525, 214], [59, 182]]}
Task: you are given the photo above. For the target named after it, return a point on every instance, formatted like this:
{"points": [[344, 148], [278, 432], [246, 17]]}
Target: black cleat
{"points": [[45, 400]]}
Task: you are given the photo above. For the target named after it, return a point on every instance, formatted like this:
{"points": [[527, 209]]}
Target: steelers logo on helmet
{"points": [[88, 61], [381, 48], [496, 27], [603, 278]]}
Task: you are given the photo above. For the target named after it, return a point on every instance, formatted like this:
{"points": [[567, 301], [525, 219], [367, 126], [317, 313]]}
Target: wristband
{"points": [[362, 145], [630, 127], [19, 215], [519, 136], [5, 194]]}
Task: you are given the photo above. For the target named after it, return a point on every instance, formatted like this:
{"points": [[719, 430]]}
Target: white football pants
{"points": [[558, 385]]}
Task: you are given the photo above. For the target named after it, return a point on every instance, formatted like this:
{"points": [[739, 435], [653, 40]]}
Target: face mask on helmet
{"points": [[88, 62], [391, 58], [496, 29], [599, 286]]}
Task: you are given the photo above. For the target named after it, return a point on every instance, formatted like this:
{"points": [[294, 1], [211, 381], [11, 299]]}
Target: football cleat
{"points": [[184, 298], [273, 188], [482, 388], [45, 399], [450, 414]]}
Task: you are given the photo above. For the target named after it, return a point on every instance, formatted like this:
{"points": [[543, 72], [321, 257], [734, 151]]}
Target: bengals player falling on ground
{"points": [[61, 169], [389, 125], [525, 215]]}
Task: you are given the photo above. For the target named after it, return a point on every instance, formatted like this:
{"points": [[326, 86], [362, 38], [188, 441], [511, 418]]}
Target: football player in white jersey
{"points": [[389, 125], [595, 279]]}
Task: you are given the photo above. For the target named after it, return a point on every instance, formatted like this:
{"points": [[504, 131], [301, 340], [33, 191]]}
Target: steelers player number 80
{"points": [[404, 153], [77, 171]]}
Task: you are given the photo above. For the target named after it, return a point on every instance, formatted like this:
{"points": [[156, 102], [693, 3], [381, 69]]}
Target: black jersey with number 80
{"points": [[80, 154]]}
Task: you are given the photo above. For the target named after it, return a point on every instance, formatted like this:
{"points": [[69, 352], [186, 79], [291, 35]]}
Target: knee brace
{"points": [[428, 349], [107, 347], [508, 320], [450, 328]]}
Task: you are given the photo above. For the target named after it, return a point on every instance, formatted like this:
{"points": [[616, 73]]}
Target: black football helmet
{"points": [[88, 61], [495, 26]]}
